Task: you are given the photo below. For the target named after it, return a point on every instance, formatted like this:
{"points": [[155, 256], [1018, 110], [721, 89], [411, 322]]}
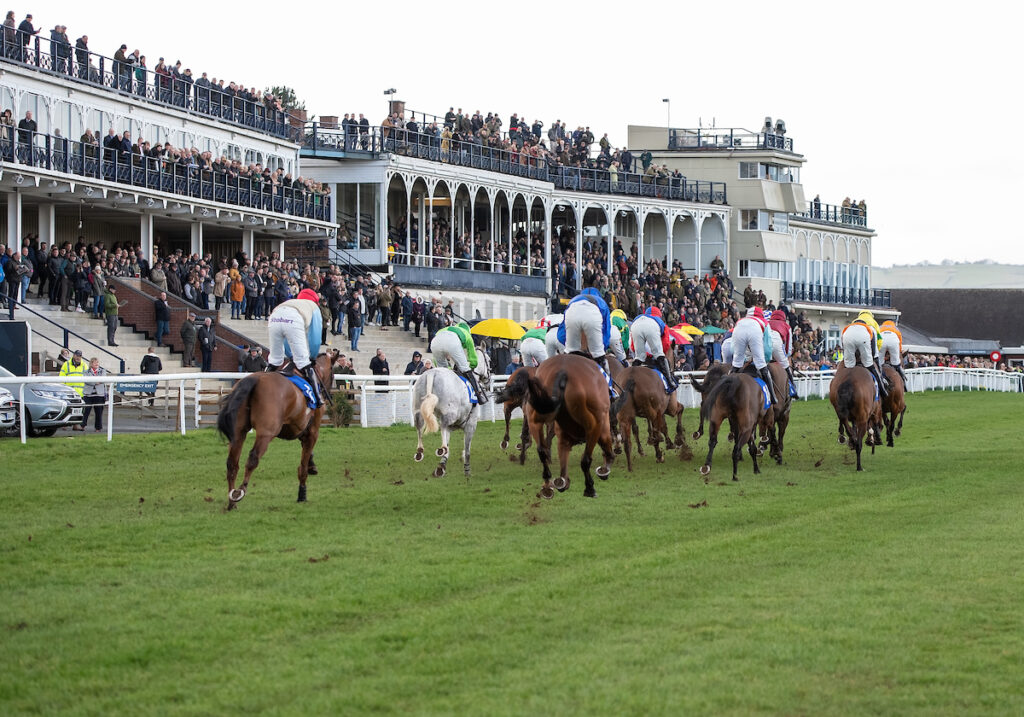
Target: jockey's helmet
{"points": [[653, 311], [866, 316], [309, 295]]}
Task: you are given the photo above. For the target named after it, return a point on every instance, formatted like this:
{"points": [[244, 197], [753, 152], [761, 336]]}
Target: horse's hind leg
{"points": [[259, 447], [635, 427], [585, 463], [467, 441], [899, 427], [627, 440], [418, 420], [234, 451], [524, 440], [539, 430], [442, 467], [508, 419], [561, 483], [705, 469], [308, 441]]}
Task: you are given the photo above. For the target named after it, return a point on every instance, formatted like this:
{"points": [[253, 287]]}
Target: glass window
{"points": [[748, 170], [764, 220], [773, 172], [748, 219], [781, 221]]}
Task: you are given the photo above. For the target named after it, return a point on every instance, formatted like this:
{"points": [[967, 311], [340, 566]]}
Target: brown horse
{"points": [[853, 394], [274, 407], [644, 396], [570, 392], [738, 397], [893, 405], [513, 396]]}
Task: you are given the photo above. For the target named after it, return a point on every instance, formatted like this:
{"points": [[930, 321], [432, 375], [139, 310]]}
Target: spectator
{"points": [[207, 339], [151, 364], [188, 335], [415, 367], [379, 367], [163, 318], [252, 361], [74, 366], [110, 308], [95, 396]]}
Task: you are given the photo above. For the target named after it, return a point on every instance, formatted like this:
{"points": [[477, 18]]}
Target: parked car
{"points": [[8, 410], [48, 406]]}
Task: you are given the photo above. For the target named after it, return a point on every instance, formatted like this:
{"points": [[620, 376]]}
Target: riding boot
{"points": [[481, 397], [882, 390], [271, 368], [602, 361], [310, 375], [673, 384], [766, 376], [789, 372], [899, 370]]}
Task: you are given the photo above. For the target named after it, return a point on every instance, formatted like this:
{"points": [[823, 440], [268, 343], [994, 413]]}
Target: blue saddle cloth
{"points": [[765, 396], [608, 378], [664, 381], [875, 381], [469, 390], [307, 390]]}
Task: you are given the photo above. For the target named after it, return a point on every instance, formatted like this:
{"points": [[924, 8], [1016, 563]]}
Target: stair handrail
{"points": [[67, 332]]}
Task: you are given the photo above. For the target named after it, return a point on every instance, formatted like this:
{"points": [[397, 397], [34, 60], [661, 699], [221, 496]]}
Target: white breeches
{"points": [[748, 339], [552, 345], [891, 346], [447, 348], [583, 320], [646, 337], [533, 351], [779, 350], [858, 339], [286, 326]]}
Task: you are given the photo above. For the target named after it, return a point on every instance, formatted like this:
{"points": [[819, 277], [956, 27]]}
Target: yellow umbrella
{"points": [[530, 323], [621, 314], [499, 329], [688, 329]]}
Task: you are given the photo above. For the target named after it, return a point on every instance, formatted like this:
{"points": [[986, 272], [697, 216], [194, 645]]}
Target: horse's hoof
{"points": [[760, 452], [561, 484], [439, 472], [590, 493], [441, 452], [729, 437], [547, 492], [504, 444], [419, 455], [618, 450], [312, 471], [466, 472], [696, 435], [519, 446], [236, 495], [842, 440], [603, 472], [660, 459], [705, 469]]}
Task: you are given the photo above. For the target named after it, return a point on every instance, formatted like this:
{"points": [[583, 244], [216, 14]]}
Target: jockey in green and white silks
{"points": [[454, 346]]}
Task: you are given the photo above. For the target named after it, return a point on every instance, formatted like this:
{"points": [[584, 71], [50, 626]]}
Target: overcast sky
{"points": [[911, 107]]}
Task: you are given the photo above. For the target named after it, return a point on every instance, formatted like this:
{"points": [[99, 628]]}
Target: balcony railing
{"points": [[711, 139], [836, 214], [109, 74], [792, 291], [391, 140], [88, 160]]}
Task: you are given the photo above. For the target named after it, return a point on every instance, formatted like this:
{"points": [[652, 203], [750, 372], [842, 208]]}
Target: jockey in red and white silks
{"points": [[748, 337], [649, 335], [294, 330]]}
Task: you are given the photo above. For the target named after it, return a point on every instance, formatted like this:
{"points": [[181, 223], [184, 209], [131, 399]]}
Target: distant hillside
{"points": [[980, 275]]}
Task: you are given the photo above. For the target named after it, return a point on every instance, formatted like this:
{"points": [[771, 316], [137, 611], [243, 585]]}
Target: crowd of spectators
{"points": [[130, 71], [955, 361]]}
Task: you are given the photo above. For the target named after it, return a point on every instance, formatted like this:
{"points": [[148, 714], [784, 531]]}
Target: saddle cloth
{"points": [[307, 390], [765, 396], [664, 381], [469, 390], [608, 378]]}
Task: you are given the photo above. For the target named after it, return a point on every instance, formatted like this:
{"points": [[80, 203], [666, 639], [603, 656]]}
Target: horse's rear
{"points": [[646, 398], [513, 396], [738, 398], [570, 392], [441, 403], [852, 393]]}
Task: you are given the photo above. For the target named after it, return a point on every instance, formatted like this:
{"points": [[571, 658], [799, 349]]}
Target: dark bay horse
{"points": [[853, 395], [513, 396], [893, 405], [644, 396], [738, 398], [273, 407], [570, 392]]}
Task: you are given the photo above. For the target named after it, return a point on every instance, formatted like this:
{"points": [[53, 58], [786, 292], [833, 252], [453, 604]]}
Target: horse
{"points": [[441, 402], [570, 392], [645, 396], [513, 396], [738, 397], [853, 395], [273, 407], [893, 405]]}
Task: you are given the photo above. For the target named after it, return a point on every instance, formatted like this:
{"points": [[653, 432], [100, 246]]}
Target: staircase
{"points": [[130, 346]]}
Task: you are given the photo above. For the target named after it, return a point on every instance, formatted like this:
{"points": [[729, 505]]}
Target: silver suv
{"points": [[48, 406], [8, 410]]}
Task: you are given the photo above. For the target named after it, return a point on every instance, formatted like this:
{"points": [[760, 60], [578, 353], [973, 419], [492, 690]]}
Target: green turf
{"points": [[812, 589]]}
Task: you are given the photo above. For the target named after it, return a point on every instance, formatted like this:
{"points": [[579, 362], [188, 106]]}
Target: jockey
{"points": [[651, 336], [861, 338], [892, 345], [552, 345], [587, 316], [532, 346], [615, 343], [727, 347], [295, 328], [782, 343], [748, 337], [454, 345], [623, 326]]}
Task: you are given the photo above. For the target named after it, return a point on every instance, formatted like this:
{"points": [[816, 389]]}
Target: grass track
{"points": [[807, 590]]}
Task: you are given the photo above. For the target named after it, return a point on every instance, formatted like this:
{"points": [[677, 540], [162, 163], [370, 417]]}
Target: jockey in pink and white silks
{"points": [[294, 331], [587, 316], [748, 336], [782, 344], [649, 335]]}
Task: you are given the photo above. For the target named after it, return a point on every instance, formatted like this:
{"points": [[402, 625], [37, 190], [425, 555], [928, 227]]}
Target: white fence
{"points": [[387, 400]]}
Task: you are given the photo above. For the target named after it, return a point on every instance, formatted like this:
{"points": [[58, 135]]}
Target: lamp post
{"points": [[668, 121], [390, 94]]}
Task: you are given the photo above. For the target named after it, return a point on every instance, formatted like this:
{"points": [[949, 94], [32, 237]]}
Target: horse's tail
{"points": [[539, 398], [427, 406], [516, 388], [720, 391], [627, 393], [697, 384], [844, 400], [235, 401]]}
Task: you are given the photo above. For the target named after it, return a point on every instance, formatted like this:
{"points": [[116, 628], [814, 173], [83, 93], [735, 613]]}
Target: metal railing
{"points": [[519, 163], [83, 65], [835, 213], [792, 291], [66, 332], [60, 154], [731, 138]]}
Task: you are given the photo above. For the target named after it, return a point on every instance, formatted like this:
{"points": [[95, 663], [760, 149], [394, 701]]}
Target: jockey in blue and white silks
{"points": [[587, 316], [649, 335], [749, 336]]}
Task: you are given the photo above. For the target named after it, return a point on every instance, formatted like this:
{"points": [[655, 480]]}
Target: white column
{"points": [[47, 224], [408, 225], [609, 220], [670, 224], [510, 207], [579, 244], [428, 227], [196, 229], [280, 249], [381, 234], [472, 232], [359, 222], [14, 220], [249, 243], [451, 233], [548, 269], [698, 220], [640, 221], [146, 238]]}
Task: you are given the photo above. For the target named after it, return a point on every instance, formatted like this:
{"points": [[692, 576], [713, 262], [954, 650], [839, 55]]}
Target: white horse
{"points": [[442, 403]]}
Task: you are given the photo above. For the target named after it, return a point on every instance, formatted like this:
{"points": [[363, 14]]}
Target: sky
{"points": [[910, 107]]}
